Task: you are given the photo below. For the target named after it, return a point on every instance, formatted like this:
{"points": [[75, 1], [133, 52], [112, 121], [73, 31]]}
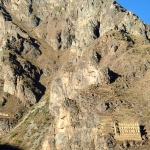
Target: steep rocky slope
{"points": [[80, 61]]}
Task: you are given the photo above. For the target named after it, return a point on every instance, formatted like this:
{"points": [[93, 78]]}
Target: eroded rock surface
{"points": [[91, 57]]}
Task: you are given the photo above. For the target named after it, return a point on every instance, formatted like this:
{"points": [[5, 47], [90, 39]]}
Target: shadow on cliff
{"points": [[9, 147], [113, 76], [143, 130]]}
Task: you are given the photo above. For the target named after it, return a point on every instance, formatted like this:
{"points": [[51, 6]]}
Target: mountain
{"points": [[74, 75]]}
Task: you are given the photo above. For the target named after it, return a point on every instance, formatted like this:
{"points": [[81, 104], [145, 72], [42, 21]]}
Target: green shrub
{"points": [[14, 134], [17, 141]]}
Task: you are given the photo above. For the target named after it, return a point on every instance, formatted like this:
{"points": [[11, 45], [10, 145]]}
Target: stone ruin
{"points": [[106, 125], [127, 130], [122, 130]]}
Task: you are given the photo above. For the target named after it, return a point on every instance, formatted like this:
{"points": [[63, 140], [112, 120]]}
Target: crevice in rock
{"points": [[6, 14], [35, 43], [96, 30], [37, 20], [130, 40], [59, 37], [113, 76], [143, 130], [98, 56], [30, 9]]}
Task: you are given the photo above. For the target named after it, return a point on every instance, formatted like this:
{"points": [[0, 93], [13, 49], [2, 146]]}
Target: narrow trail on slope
{"points": [[39, 105]]}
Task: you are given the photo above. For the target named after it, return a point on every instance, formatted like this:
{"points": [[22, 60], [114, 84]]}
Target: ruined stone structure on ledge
{"points": [[106, 125], [127, 130]]}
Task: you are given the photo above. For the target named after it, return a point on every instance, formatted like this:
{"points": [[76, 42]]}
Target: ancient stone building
{"points": [[106, 125], [127, 130], [123, 130]]}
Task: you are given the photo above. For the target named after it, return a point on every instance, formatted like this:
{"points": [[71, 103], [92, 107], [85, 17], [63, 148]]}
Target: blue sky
{"points": [[140, 7]]}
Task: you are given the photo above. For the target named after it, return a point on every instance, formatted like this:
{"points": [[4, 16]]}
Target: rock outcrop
{"points": [[19, 77], [93, 55]]}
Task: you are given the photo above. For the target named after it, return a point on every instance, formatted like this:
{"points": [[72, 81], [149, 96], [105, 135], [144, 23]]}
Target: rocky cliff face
{"points": [[92, 55]]}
